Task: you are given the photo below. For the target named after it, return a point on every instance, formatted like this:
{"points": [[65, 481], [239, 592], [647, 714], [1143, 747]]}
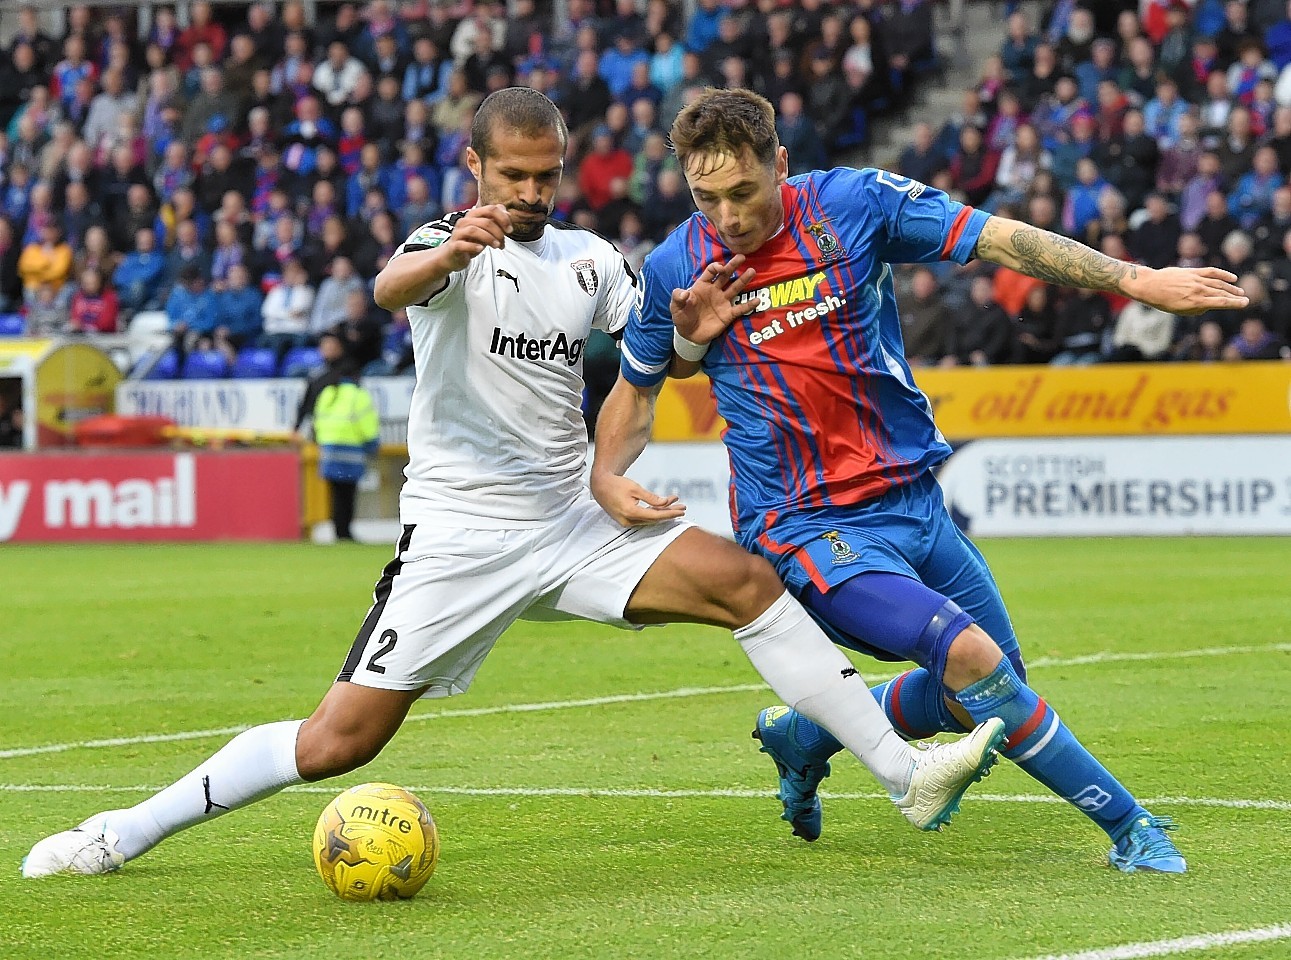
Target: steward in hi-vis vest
{"points": [[346, 429]]}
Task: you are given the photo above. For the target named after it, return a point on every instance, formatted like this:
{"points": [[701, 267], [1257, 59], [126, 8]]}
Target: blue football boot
{"points": [[799, 774], [1145, 846]]}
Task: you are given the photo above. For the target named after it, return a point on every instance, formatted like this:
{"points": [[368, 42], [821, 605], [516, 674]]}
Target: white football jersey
{"points": [[496, 436]]}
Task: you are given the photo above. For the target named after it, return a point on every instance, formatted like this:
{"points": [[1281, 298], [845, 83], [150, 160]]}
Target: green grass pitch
{"points": [[637, 827]]}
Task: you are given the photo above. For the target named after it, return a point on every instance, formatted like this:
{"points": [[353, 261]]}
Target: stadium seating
{"points": [[163, 366], [301, 361], [253, 363], [205, 365], [12, 325]]}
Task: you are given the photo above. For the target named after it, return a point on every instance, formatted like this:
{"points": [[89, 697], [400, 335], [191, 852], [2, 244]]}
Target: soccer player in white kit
{"points": [[499, 525]]}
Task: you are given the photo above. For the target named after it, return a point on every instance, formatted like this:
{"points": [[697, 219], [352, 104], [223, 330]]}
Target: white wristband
{"points": [[687, 349]]}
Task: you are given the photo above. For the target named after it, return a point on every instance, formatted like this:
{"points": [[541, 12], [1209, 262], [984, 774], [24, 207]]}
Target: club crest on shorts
{"points": [[587, 278], [840, 550], [826, 242]]}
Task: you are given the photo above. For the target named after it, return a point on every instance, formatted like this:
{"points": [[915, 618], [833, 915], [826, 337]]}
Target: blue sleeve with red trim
{"points": [[646, 349], [914, 223]]}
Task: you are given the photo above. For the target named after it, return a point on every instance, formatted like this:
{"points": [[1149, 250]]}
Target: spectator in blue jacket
{"points": [[705, 26], [190, 307], [138, 279], [617, 63], [237, 308], [426, 78], [1252, 197]]}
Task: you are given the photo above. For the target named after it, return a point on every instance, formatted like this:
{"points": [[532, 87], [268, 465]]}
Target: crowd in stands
{"points": [[1157, 132], [249, 172]]}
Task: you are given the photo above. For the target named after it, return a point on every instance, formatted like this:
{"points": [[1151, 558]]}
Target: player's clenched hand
{"points": [[703, 311], [631, 504], [1186, 291], [481, 227]]}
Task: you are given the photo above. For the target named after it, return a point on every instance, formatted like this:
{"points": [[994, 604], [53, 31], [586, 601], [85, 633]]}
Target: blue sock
{"points": [[1040, 743], [916, 705]]}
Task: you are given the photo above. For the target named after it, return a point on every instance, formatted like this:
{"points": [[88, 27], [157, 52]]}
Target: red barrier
{"points": [[149, 496]]}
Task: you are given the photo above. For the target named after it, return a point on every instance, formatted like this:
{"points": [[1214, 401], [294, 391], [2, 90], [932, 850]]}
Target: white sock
{"points": [[811, 675], [255, 764]]}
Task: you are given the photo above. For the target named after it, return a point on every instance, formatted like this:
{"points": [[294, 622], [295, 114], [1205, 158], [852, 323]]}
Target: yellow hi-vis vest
{"points": [[346, 429]]}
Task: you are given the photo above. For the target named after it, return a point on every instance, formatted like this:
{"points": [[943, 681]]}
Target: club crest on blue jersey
{"points": [[587, 278], [840, 550], [828, 245]]}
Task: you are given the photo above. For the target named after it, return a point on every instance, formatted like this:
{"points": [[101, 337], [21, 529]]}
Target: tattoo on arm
{"points": [[1050, 257]]}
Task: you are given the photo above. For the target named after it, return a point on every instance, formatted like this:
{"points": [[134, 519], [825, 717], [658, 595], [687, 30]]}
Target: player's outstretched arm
{"points": [[417, 275], [622, 432], [1061, 260]]}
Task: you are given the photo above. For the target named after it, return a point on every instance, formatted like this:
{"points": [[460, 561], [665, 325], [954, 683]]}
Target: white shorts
{"points": [[448, 594]]}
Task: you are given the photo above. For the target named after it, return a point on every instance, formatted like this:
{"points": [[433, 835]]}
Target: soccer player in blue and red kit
{"points": [[781, 289]]}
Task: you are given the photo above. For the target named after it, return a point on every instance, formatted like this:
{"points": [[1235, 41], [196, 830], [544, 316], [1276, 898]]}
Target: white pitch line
{"points": [[650, 793], [1167, 948], [681, 693]]}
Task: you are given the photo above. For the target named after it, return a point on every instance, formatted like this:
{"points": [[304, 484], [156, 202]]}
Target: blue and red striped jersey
{"points": [[820, 405]]}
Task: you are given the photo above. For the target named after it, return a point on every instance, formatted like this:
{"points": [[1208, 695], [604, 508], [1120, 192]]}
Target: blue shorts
{"points": [[907, 531]]}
